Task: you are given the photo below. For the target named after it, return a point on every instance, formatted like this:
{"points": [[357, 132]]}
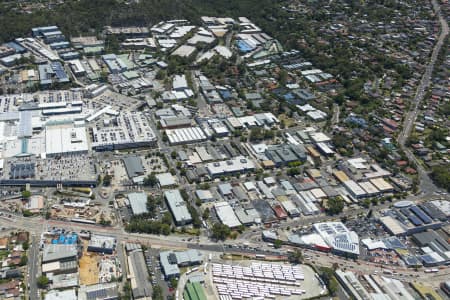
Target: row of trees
{"points": [[141, 225]]}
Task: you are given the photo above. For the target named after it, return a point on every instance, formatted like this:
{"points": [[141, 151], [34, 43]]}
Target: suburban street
{"points": [[426, 184]]}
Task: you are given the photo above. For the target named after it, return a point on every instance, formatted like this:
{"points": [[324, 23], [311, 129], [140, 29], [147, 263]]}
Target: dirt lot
{"points": [[88, 267]]}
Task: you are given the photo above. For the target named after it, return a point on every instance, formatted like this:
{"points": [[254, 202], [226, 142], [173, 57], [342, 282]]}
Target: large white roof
{"points": [[226, 214], [64, 139]]}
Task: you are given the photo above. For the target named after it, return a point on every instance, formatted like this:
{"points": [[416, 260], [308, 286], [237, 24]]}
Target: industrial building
{"points": [[380, 287], [50, 34], [185, 135], [166, 180], [52, 72], [102, 244], [204, 195], [194, 291], [178, 207], [354, 189], [226, 214], [436, 250], [406, 218], [138, 203], [58, 252], [172, 260], [58, 267], [236, 165], [104, 291], [69, 294], [133, 166], [284, 154], [114, 63], [140, 285]]}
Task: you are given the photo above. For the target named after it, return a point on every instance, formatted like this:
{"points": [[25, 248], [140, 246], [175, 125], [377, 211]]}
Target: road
{"points": [[33, 267], [37, 225], [364, 267], [336, 112], [426, 184]]}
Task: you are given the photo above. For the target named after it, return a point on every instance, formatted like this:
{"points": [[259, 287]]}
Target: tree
{"points": [[107, 180], [167, 218], [27, 213], [26, 194], [206, 214], [150, 180], [42, 281], [335, 205], [441, 176], [25, 246], [277, 244], [23, 260], [220, 231], [157, 293], [173, 154], [161, 75], [327, 275], [296, 257], [282, 78], [293, 171], [196, 222], [174, 282]]}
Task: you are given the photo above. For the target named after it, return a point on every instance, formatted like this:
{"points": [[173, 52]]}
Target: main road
{"points": [[426, 184], [33, 267]]}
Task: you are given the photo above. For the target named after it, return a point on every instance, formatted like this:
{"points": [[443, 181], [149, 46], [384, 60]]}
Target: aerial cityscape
{"points": [[210, 149]]}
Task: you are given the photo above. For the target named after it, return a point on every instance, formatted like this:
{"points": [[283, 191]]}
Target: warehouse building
{"points": [[138, 203], [133, 166], [103, 291], [382, 185], [369, 188], [178, 207], [140, 285], [204, 195], [226, 214], [114, 63], [437, 250], [289, 206], [236, 165], [59, 252], [50, 34], [247, 216], [354, 189], [406, 219], [60, 267], [352, 285], [166, 180], [194, 291], [171, 261], [284, 154], [69, 294], [52, 72], [185, 135], [102, 244]]}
